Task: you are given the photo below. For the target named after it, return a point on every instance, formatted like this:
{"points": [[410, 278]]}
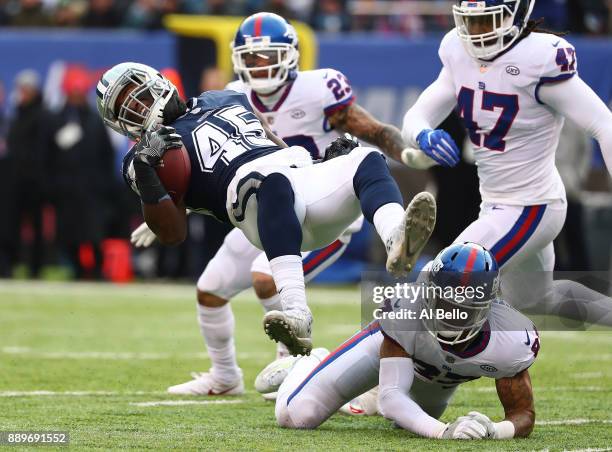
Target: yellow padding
{"points": [[222, 29]]}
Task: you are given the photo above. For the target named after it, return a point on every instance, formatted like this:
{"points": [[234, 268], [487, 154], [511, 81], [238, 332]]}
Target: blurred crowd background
{"points": [[403, 16], [66, 213]]}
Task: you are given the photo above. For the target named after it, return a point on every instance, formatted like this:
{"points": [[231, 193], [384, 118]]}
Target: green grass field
{"points": [[87, 359]]}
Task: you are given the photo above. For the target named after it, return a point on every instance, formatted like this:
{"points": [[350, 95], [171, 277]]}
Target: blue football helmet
{"points": [[265, 52], [489, 27], [463, 280]]}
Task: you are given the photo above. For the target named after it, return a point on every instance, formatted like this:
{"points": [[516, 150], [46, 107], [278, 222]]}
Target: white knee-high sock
{"points": [[387, 218], [575, 301], [288, 276], [271, 304], [217, 327], [274, 304]]}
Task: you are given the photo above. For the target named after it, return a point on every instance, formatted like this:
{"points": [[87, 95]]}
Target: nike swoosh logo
{"points": [[528, 338], [213, 393], [556, 43], [496, 208]]}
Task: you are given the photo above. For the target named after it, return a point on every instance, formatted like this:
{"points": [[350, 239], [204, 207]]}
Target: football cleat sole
{"points": [[280, 330], [419, 223]]}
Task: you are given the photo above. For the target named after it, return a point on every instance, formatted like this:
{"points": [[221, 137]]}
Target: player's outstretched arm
{"points": [[426, 146], [395, 380], [358, 122], [516, 395], [575, 100]]}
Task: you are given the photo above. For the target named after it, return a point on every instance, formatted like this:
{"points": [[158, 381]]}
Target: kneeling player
{"points": [[418, 371]]}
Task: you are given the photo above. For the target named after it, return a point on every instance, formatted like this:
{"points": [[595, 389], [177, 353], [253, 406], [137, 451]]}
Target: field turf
{"points": [[95, 360]]}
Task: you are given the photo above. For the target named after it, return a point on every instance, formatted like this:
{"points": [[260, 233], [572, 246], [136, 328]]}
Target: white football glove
{"points": [[464, 428], [142, 236], [483, 420]]}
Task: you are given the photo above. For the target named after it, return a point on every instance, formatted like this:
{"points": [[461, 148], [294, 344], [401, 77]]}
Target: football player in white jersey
{"points": [[304, 108], [419, 360], [512, 86]]}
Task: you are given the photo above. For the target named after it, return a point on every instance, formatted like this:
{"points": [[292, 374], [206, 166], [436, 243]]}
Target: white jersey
{"points": [[300, 115], [514, 135], [507, 345]]}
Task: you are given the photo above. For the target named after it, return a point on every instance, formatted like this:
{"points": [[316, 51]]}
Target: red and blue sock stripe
{"points": [[521, 231], [318, 257], [368, 331]]}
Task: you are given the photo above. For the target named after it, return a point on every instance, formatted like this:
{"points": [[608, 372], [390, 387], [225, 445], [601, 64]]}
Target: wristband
{"points": [[150, 187], [504, 430]]}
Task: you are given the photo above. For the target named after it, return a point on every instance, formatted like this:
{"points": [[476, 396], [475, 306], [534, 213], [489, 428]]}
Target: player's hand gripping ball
{"points": [[153, 144], [341, 146]]}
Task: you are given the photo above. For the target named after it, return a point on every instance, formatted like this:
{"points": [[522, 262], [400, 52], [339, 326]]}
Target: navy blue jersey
{"points": [[221, 133]]}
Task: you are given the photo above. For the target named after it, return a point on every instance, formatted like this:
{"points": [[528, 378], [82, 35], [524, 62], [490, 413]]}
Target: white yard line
{"points": [[130, 356], [546, 389], [575, 422], [76, 393], [587, 375], [589, 450], [152, 292], [185, 402]]}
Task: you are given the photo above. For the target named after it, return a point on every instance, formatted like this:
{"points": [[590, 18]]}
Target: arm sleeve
{"points": [[575, 100], [432, 107], [395, 381]]}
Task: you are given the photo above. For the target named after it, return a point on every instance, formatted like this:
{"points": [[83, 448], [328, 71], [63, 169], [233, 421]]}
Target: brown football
{"points": [[174, 172]]}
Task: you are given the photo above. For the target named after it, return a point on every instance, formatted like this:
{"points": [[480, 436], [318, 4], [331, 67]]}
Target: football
{"points": [[174, 172]]}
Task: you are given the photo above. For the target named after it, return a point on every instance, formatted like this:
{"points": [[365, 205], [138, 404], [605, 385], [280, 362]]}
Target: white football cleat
{"points": [[411, 236], [364, 405], [292, 328], [272, 376], [204, 384]]}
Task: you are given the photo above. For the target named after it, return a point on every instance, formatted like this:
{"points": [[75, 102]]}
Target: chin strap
{"points": [[174, 109]]}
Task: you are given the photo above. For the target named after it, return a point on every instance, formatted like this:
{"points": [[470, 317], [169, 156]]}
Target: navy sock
{"points": [[279, 229], [375, 186]]}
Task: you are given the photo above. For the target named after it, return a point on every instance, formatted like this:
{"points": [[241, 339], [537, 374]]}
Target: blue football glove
{"points": [[439, 146]]}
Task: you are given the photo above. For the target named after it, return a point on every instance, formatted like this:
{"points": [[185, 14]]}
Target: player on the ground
{"points": [[240, 176], [305, 108], [512, 85], [465, 332]]}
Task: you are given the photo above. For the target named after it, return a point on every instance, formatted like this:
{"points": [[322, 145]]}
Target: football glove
{"points": [[464, 428], [153, 144], [142, 236], [340, 146], [483, 420], [439, 146]]}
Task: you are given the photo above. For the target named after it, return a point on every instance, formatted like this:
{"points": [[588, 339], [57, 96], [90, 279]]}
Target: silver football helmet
{"points": [[131, 98]]}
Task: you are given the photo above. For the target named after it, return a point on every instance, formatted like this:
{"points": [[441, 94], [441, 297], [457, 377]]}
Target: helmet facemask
{"points": [[487, 31], [132, 99], [264, 78], [466, 313]]}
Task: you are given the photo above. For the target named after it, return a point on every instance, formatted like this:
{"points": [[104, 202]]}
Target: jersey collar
{"points": [[262, 107]]}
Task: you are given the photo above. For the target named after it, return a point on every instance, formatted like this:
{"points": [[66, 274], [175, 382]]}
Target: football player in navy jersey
{"points": [[281, 201], [308, 108]]}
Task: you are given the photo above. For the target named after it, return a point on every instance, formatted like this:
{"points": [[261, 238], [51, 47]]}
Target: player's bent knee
{"points": [[210, 300], [305, 414], [263, 285]]}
